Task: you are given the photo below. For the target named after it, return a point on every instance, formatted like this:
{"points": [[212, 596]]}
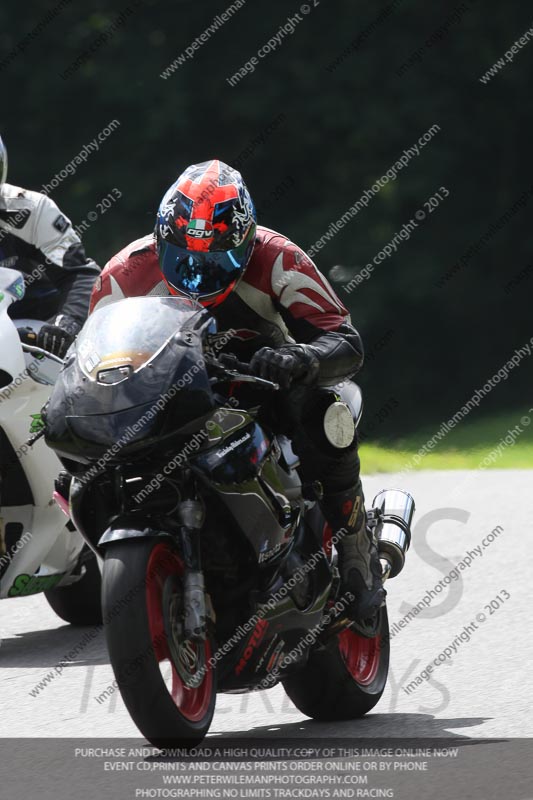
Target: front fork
{"points": [[191, 516]]}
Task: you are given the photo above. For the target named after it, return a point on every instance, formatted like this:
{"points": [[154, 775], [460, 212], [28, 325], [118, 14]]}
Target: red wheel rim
{"points": [[360, 655], [327, 543], [191, 701]]}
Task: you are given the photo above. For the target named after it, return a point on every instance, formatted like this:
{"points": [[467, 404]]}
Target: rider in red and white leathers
{"points": [[285, 319]]}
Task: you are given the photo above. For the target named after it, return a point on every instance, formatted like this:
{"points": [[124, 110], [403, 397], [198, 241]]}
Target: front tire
{"points": [[344, 678], [165, 681], [79, 603]]}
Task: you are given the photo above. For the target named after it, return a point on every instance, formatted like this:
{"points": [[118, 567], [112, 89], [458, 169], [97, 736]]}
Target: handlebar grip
{"points": [[27, 335]]}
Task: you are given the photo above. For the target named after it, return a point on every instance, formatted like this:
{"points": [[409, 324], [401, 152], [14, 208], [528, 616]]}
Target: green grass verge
{"points": [[471, 445]]}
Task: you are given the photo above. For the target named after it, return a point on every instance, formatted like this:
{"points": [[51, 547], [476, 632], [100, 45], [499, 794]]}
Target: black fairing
{"points": [[165, 388], [256, 532], [237, 459]]}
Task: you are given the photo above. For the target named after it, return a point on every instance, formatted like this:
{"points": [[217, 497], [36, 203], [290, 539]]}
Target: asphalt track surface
{"points": [[477, 697]]}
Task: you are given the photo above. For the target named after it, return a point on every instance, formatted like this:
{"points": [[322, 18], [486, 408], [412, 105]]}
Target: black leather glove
{"points": [[54, 339], [283, 365], [58, 334]]}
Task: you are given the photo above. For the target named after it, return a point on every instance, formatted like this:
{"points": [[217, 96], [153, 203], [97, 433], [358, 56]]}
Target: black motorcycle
{"points": [[219, 571]]}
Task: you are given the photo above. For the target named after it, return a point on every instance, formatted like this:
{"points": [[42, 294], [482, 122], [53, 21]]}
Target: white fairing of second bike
{"points": [[48, 546], [12, 357], [47, 549]]}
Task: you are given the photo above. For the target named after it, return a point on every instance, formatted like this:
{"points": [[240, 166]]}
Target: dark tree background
{"points": [[320, 119]]}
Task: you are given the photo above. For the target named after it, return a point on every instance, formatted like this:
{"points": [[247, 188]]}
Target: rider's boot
{"points": [[359, 565]]}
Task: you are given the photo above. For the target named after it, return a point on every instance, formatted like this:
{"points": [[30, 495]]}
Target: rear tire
{"points": [[345, 678], [79, 603], [160, 675]]}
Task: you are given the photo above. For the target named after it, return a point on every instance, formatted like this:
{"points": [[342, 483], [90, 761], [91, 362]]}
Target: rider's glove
{"points": [[56, 338], [283, 365]]}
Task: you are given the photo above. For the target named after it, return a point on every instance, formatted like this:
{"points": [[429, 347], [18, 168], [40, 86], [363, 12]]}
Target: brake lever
{"points": [[233, 373], [29, 348], [238, 376]]}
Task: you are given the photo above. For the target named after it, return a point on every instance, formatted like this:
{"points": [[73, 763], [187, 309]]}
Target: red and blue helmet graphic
{"points": [[205, 231]]}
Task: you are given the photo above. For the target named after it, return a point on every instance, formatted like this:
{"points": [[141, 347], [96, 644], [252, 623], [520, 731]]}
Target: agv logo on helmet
{"points": [[199, 229]]}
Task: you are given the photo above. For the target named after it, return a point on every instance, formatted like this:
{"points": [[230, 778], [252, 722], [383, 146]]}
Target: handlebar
{"points": [[27, 335], [231, 362], [232, 369]]}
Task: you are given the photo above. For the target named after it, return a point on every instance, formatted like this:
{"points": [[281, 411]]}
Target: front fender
{"points": [[129, 526]]}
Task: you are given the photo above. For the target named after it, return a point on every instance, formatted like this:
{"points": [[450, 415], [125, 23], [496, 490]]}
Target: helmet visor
{"points": [[202, 273]]}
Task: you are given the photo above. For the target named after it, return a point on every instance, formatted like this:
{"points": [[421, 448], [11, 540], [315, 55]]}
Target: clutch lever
{"points": [[29, 348]]}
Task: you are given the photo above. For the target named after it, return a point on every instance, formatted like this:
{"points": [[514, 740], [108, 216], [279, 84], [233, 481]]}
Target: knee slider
{"points": [[329, 420]]}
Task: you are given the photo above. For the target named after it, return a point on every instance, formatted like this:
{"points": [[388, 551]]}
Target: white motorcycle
{"points": [[40, 550]]}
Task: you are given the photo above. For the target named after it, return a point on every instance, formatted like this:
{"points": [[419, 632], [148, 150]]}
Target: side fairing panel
{"points": [[238, 463]]}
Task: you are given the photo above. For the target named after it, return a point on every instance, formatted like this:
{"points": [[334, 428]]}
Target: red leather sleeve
{"points": [[303, 292], [133, 272]]}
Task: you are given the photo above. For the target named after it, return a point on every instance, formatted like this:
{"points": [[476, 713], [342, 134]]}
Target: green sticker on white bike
{"points": [[37, 423], [16, 289], [31, 584]]}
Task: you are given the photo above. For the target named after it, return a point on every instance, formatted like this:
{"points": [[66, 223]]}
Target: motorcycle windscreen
{"points": [[122, 337], [137, 368]]}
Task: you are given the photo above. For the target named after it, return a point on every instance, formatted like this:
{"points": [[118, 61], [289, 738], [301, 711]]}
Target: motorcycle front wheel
{"points": [[165, 680]]}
